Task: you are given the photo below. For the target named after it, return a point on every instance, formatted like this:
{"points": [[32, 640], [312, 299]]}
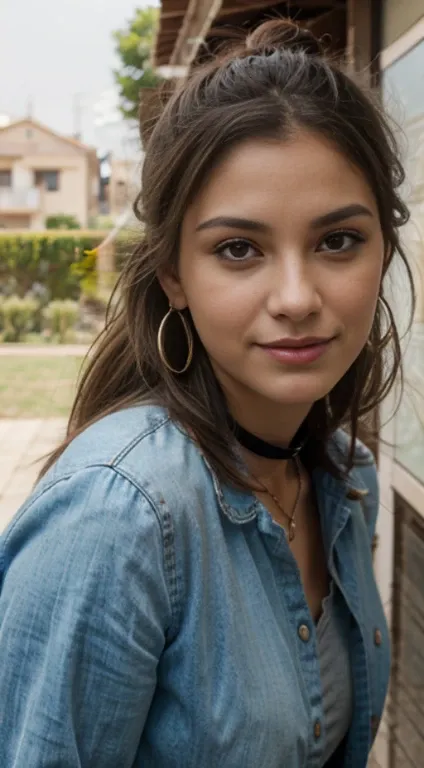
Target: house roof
{"points": [[40, 126], [186, 24]]}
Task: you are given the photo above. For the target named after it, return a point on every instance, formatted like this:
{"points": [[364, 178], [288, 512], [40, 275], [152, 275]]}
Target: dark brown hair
{"points": [[274, 81]]}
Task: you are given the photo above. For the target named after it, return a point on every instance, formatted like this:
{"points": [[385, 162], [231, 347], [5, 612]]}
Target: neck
{"points": [[276, 425], [279, 434], [274, 422], [269, 470]]}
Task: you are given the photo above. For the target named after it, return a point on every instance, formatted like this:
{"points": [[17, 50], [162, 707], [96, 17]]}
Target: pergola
{"points": [[191, 29]]}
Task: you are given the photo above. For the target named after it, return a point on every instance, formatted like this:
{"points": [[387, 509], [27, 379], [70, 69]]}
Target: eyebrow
{"points": [[341, 214], [333, 217], [235, 223]]}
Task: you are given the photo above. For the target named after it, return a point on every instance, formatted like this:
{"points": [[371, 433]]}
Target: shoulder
{"points": [[363, 470], [362, 478], [108, 440], [136, 442], [339, 448], [145, 451], [104, 498], [363, 473]]}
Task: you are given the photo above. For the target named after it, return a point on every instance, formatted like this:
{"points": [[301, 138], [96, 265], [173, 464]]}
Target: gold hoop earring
{"points": [[189, 337]]}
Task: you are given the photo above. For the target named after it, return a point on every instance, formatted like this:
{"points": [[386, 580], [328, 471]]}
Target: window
{"points": [[407, 697], [5, 178], [404, 97], [47, 179]]}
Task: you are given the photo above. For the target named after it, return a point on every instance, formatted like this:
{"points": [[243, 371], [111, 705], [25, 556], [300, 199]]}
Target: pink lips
{"points": [[297, 351]]}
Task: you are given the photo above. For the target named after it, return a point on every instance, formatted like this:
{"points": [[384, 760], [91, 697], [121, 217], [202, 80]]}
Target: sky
{"points": [[55, 54]]}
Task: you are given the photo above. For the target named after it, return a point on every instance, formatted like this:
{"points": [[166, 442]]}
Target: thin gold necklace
{"points": [[290, 518]]}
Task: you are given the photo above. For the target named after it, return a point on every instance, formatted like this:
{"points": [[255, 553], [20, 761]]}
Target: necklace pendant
{"points": [[292, 530]]}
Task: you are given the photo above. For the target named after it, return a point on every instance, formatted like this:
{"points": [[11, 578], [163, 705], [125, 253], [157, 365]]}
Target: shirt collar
{"points": [[241, 506]]}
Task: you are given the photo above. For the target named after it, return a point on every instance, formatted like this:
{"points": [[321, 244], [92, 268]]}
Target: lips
{"points": [[300, 343], [297, 351]]}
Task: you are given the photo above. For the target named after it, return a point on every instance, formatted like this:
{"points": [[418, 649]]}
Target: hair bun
{"points": [[280, 35]]}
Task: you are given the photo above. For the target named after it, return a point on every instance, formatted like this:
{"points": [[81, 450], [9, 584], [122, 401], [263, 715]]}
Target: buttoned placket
{"points": [[334, 514], [294, 602], [337, 515]]}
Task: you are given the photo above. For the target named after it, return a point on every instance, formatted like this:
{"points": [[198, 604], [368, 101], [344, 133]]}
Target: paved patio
{"points": [[47, 350], [23, 443]]}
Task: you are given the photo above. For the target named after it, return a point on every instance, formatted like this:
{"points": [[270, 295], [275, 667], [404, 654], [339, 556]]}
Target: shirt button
{"points": [[304, 633], [378, 637], [317, 729]]}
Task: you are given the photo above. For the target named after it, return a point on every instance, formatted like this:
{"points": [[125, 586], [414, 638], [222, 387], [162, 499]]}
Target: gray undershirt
{"points": [[336, 679]]}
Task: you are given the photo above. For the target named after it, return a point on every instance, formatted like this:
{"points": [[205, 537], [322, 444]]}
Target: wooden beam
{"points": [[240, 6], [197, 21], [172, 15], [166, 37], [245, 8], [307, 5], [330, 25], [173, 6], [169, 25], [165, 47], [192, 19], [360, 35]]}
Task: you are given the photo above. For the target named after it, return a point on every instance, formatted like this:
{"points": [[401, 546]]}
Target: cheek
{"points": [[222, 304], [356, 301]]}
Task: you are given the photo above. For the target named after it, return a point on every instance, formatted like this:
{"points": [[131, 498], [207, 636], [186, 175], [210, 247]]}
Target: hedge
{"points": [[19, 317], [56, 260]]}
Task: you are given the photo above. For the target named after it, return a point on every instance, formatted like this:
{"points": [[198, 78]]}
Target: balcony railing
{"points": [[22, 199]]}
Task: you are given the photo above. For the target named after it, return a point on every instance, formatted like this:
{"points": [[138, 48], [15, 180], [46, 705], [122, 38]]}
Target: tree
{"points": [[134, 48]]}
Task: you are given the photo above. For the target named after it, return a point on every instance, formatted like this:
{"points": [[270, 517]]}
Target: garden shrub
{"points": [[60, 317], [18, 317]]}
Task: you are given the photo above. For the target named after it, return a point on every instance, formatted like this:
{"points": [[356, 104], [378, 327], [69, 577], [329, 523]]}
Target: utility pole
{"points": [[77, 116]]}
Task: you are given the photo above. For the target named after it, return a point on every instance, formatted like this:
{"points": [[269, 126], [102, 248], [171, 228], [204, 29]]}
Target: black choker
{"points": [[256, 445]]}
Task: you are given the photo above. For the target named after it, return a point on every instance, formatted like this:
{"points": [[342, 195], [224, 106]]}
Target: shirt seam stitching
{"points": [[166, 529], [138, 439]]}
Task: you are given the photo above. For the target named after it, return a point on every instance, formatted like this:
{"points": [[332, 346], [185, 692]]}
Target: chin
{"points": [[299, 392]]}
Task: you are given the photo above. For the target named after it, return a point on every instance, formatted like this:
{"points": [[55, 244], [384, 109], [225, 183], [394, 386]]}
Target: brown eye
{"points": [[340, 242], [236, 250]]}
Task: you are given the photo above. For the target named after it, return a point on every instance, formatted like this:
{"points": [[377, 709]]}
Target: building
{"points": [[43, 174], [384, 38], [400, 554], [124, 184], [120, 181]]}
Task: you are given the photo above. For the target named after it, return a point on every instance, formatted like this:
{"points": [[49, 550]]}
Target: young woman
{"points": [[191, 583]]}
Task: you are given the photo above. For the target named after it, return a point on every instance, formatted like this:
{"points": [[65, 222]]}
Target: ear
{"points": [[173, 289]]}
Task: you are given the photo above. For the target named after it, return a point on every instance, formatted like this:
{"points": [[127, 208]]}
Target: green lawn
{"points": [[33, 387]]}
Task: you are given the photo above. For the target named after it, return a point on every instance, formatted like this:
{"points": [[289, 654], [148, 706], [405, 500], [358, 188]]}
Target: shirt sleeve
{"points": [[84, 609]]}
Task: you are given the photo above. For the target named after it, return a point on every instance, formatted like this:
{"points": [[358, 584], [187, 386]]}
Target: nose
{"points": [[293, 291]]}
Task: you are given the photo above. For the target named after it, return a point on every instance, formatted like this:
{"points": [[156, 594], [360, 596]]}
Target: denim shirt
{"points": [[149, 615]]}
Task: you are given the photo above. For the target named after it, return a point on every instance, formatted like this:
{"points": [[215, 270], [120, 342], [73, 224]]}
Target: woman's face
{"points": [[281, 259]]}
